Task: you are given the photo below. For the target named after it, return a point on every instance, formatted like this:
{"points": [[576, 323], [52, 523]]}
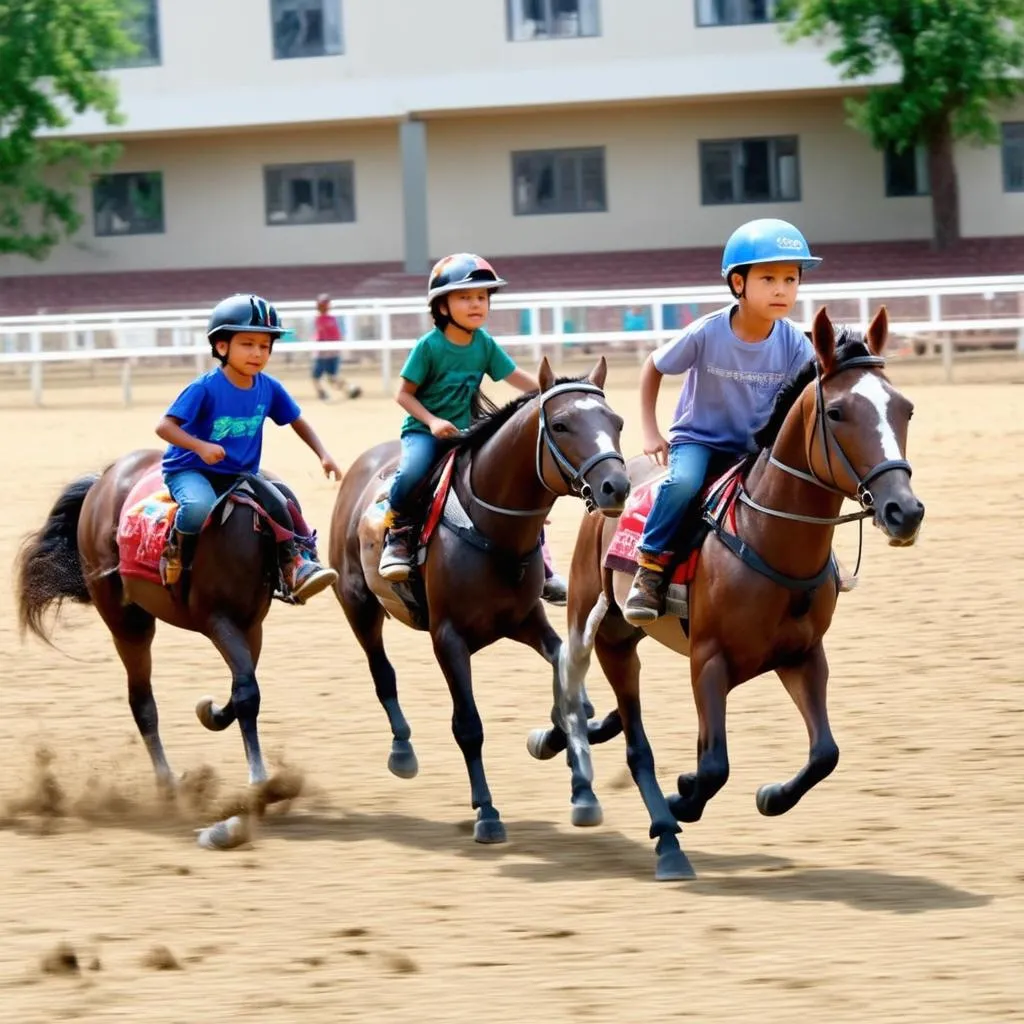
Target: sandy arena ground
{"points": [[894, 892]]}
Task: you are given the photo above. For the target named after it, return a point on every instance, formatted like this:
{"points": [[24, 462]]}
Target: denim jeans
{"points": [[419, 453], [196, 493], [687, 467]]}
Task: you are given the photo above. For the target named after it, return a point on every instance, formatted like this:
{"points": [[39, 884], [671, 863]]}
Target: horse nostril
{"points": [[892, 513]]}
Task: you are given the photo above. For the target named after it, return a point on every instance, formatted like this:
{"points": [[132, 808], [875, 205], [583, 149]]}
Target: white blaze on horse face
{"points": [[876, 392], [584, 404], [604, 441]]}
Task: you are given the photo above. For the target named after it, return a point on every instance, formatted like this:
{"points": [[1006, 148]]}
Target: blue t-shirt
{"points": [[213, 409], [732, 384]]}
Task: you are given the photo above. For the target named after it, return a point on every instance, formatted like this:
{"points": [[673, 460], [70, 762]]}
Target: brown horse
{"points": [[482, 575], [764, 589], [75, 556]]}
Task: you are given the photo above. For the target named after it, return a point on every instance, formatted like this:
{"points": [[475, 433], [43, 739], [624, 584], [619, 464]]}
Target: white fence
{"points": [[927, 317]]}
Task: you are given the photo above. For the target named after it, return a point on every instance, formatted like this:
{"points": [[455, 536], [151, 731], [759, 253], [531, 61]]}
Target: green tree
{"points": [[957, 61], [53, 56]]}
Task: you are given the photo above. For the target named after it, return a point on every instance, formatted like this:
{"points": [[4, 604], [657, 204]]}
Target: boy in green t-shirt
{"points": [[439, 379]]}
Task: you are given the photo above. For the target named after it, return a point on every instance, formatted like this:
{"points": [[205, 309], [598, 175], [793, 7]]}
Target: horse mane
{"points": [[849, 345], [488, 418]]}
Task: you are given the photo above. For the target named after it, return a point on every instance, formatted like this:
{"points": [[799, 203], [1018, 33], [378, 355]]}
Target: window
{"points": [[128, 204], [143, 28], [310, 194], [750, 170], [558, 181], [306, 28], [906, 173], [552, 19], [1013, 156], [734, 12]]}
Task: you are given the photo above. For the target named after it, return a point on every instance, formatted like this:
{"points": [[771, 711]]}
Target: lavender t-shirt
{"points": [[732, 384]]}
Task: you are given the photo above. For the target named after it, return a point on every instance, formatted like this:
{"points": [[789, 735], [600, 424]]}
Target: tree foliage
{"points": [[957, 61], [53, 57]]}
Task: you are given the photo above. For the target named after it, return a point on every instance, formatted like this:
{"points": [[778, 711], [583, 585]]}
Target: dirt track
{"points": [[894, 892]]}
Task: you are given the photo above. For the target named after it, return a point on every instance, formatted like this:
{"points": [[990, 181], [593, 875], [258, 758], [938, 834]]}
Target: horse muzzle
{"points": [[898, 513], [608, 495]]}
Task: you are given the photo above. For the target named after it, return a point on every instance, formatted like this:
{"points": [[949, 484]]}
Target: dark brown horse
{"points": [[74, 556], [764, 591], [483, 572]]}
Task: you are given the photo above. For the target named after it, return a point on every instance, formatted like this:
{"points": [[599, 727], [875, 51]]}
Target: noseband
{"points": [[573, 477]]}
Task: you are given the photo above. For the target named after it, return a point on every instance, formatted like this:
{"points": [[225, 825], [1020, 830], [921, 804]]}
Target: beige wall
{"points": [[214, 211], [214, 205]]}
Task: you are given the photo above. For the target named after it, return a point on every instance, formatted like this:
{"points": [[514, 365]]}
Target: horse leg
{"points": [[366, 617], [621, 665], [569, 712], [806, 683], [452, 655], [234, 647], [133, 632], [710, 687]]}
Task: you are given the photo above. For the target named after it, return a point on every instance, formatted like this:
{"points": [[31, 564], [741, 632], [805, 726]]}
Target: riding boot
{"points": [[645, 602], [187, 549], [399, 552], [301, 571], [170, 558]]}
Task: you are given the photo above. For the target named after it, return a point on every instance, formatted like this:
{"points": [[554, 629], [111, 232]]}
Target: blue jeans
{"points": [[419, 453], [687, 467], [196, 493]]}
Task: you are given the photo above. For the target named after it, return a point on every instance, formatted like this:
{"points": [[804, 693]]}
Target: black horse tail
{"points": [[49, 569]]}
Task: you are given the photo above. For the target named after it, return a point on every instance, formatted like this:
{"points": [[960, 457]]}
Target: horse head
{"points": [[855, 426], [578, 440]]}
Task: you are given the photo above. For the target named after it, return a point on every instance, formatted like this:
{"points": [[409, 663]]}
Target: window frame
{"points": [[1007, 146], [345, 167], [738, 141], [889, 154], [771, 5], [96, 181], [579, 154], [127, 62], [512, 37], [276, 5]]}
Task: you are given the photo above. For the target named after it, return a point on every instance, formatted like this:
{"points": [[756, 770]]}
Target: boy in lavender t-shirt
{"points": [[738, 359]]}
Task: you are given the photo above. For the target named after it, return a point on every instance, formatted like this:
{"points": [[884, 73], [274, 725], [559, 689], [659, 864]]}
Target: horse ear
{"points": [[878, 332], [823, 337], [599, 372], [545, 375]]}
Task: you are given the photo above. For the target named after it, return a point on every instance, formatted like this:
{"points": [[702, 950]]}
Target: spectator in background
{"points": [[327, 329]]}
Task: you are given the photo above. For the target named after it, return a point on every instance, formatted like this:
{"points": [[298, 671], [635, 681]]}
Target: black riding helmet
{"points": [[242, 313], [454, 273]]}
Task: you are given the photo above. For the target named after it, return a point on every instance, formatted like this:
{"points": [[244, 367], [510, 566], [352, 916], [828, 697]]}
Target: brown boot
{"points": [[646, 598], [399, 552]]}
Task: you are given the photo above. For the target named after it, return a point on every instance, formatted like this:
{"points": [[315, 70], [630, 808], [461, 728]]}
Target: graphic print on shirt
{"points": [[238, 426]]}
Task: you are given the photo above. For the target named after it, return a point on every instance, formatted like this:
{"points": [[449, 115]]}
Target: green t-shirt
{"points": [[447, 376]]}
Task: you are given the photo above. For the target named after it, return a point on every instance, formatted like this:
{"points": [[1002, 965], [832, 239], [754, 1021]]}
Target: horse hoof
{"points": [[224, 835], [536, 744], [674, 866], [587, 815], [489, 830], [771, 800], [685, 810], [206, 712], [402, 760]]}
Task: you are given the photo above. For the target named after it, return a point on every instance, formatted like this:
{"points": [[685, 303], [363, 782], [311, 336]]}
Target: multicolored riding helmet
{"points": [[461, 270]]}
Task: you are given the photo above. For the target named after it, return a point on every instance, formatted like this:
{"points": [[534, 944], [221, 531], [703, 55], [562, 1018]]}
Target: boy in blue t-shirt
{"points": [[214, 432], [738, 359]]}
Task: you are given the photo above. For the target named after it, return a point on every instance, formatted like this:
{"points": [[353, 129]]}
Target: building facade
{"points": [[284, 132]]}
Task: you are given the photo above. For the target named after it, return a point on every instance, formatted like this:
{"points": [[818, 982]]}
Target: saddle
{"points": [[147, 518], [716, 502]]}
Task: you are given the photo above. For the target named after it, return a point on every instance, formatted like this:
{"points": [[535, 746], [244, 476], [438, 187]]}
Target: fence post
{"points": [[385, 352], [35, 375], [126, 382]]}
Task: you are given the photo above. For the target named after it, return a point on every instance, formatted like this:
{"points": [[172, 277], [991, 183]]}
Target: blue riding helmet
{"points": [[767, 241], [244, 313]]}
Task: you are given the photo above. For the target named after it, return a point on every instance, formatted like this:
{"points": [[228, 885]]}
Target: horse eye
{"points": [[619, 423], [559, 428], [835, 414]]}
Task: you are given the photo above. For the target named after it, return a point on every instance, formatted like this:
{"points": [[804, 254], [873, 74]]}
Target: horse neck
{"points": [[797, 549], [503, 472]]}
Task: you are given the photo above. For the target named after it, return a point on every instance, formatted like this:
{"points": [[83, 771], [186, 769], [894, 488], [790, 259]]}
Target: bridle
{"points": [[825, 435], [573, 477]]}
